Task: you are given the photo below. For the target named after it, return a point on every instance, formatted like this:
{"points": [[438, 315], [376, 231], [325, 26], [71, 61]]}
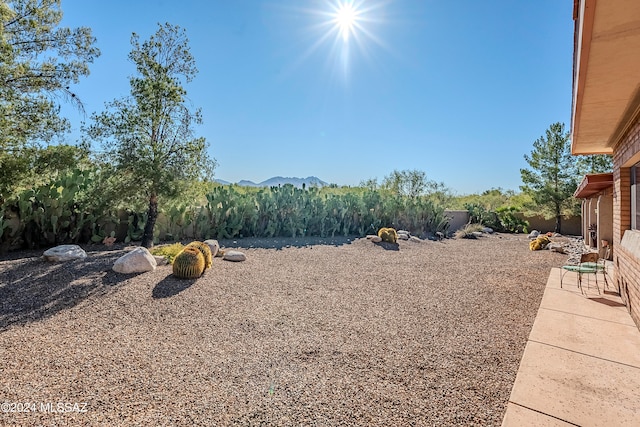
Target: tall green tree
{"points": [[551, 179], [410, 183], [149, 137], [598, 163], [39, 62]]}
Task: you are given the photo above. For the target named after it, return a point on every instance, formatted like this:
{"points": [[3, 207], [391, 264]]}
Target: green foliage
{"points": [[468, 231], [598, 163], [56, 212], [412, 183], [388, 235], [188, 264], [149, 136], [551, 179], [39, 62], [205, 250], [168, 251], [503, 219]]}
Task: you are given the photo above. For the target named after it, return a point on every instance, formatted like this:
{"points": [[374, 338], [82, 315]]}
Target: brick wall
{"points": [[626, 257]]}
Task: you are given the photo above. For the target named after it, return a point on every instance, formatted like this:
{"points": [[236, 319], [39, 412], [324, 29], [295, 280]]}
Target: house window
{"points": [[635, 197]]}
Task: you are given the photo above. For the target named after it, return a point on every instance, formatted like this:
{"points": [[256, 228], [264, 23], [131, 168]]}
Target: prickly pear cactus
{"points": [[188, 264]]}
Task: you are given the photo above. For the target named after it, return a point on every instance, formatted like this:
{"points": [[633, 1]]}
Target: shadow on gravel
{"points": [[32, 289], [285, 242], [170, 286], [388, 246]]}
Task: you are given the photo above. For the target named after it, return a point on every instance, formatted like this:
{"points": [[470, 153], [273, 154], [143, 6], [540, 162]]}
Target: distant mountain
{"points": [[309, 181]]}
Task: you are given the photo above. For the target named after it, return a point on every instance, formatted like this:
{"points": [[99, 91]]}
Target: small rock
{"points": [[214, 246], [376, 239], [439, 235], [138, 260], [64, 253], [160, 260], [487, 230], [556, 247], [234, 256], [557, 235], [477, 233], [403, 236], [415, 239], [403, 232], [534, 234]]}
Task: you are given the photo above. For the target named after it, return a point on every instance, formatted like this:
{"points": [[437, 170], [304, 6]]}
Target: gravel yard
{"points": [[320, 332]]}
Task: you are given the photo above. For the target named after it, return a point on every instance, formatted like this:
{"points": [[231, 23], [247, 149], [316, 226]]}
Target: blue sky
{"points": [[459, 89]]}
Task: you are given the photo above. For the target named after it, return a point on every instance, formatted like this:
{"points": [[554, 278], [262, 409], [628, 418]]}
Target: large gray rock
{"points": [[234, 256], [376, 239], [415, 239], [403, 236], [214, 246], [534, 234], [64, 253], [487, 230], [138, 260]]}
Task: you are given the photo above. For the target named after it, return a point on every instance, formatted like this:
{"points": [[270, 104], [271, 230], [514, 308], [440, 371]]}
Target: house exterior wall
{"points": [[605, 219], [626, 242]]}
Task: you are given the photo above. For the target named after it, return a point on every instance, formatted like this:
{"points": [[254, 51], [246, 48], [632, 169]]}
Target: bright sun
{"points": [[346, 18]]}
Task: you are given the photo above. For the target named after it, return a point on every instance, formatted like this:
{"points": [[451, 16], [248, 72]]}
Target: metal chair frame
{"points": [[589, 264]]}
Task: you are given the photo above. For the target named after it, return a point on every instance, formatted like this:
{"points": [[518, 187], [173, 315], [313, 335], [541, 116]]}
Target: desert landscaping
{"points": [[307, 331]]}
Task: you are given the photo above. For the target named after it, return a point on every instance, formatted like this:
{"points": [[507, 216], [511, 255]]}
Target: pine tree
{"points": [[552, 177], [148, 136]]}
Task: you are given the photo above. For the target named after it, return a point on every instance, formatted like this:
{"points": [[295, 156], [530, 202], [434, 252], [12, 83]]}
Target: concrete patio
{"points": [[581, 364]]}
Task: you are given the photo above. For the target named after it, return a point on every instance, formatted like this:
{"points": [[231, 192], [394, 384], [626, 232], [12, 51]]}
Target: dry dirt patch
{"points": [[305, 332]]}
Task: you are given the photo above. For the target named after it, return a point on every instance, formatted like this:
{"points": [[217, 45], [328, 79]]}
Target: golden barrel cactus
{"points": [[388, 235], [205, 250], [188, 264]]}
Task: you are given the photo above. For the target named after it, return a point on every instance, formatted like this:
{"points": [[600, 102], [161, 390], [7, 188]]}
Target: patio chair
{"points": [[589, 264]]}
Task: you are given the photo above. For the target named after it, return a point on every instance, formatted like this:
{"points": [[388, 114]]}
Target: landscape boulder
{"points": [[214, 246], [534, 234], [138, 260], [376, 239], [487, 230], [415, 239], [235, 256], [160, 260], [403, 235], [64, 253]]}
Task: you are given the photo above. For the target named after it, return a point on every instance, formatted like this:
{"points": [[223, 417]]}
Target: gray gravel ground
{"points": [[333, 332]]}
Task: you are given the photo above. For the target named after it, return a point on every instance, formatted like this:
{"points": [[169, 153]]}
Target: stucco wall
{"points": [[570, 226], [457, 219]]}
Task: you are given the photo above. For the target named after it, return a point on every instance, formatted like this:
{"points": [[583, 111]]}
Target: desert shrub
{"points": [[168, 251], [467, 232], [188, 264], [502, 219]]}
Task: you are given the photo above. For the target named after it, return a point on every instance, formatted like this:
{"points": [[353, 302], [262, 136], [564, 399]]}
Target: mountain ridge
{"points": [[275, 181]]}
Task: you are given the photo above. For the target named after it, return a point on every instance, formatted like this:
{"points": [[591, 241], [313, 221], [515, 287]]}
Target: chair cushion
{"points": [[593, 265]]}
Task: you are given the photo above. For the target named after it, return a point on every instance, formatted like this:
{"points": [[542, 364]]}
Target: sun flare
{"points": [[346, 19]]}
